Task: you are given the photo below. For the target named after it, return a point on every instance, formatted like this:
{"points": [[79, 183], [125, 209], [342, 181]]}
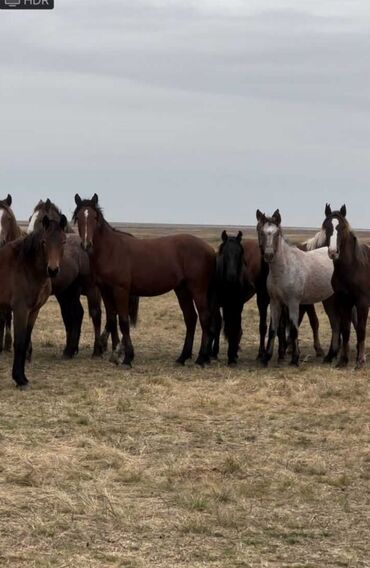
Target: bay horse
{"points": [[351, 279], [242, 273], [75, 279], [26, 268], [9, 231], [295, 277], [124, 265]]}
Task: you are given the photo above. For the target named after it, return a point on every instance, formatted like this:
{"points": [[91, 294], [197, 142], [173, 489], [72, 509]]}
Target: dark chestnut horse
{"points": [[26, 266], [75, 279], [148, 267], [9, 231], [350, 281], [242, 273]]}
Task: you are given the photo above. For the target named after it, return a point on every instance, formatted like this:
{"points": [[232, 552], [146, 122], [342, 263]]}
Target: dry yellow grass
{"points": [[164, 466]]}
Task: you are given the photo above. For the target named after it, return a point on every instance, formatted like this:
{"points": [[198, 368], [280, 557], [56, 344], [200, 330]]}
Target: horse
{"points": [[350, 281], [295, 277], [26, 268], [9, 231], [242, 273], [75, 280], [124, 265]]}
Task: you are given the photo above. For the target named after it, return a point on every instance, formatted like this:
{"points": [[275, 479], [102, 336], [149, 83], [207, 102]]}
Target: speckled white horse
{"points": [[295, 277]]}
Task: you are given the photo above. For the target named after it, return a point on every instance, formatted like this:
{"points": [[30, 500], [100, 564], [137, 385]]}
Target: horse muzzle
{"points": [[86, 245], [268, 256], [53, 272], [333, 254]]}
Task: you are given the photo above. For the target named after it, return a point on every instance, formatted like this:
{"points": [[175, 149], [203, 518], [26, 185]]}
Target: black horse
{"points": [[242, 273]]}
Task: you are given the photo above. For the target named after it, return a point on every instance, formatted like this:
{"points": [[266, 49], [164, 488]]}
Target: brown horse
{"points": [[75, 279], [148, 267], [242, 273], [26, 266], [9, 231], [351, 280]]}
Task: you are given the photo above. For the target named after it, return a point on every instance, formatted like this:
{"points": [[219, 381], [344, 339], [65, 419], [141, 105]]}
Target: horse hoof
{"points": [[294, 363], [341, 364], [126, 366], [320, 353], [359, 365], [181, 361], [23, 387], [232, 364], [115, 358]]}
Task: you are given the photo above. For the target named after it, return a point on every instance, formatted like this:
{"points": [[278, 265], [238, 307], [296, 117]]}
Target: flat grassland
{"points": [[163, 466]]}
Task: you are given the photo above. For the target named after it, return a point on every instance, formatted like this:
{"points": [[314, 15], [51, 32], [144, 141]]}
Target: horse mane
{"points": [[99, 210], [317, 241], [29, 245], [55, 209], [9, 210], [361, 251]]}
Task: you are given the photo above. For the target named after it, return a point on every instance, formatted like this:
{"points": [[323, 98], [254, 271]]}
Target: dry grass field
{"points": [[167, 467]]}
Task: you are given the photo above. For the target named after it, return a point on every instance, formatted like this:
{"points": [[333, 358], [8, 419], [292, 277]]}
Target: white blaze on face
{"points": [[269, 230], [1, 223], [333, 244], [86, 213], [31, 226]]}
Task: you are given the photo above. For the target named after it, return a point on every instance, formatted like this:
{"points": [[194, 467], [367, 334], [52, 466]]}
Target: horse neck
{"points": [[34, 258], [103, 235], [346, 254]]}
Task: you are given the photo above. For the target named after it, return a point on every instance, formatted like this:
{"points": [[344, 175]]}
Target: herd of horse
{"points": [[114, 267]]}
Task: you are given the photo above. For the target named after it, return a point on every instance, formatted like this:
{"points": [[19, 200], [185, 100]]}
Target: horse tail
{"points": [[133, 309]]}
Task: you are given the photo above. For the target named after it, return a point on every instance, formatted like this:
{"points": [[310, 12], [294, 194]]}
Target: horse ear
{"points": [[239, 236], [46, 222], [259, 215], [327, 210], [277, 217], [63, 222], [95, 199], [78, 200], [47, 204], [224, 236], [9, 200], [343, 211]]}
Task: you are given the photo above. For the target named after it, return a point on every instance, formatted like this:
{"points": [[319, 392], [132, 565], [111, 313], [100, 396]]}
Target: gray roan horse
{"points": [[295, 277]]}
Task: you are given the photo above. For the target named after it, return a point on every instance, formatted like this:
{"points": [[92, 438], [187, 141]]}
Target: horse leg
{"points": [[190, 317], [275, 308], [216, 332], [111, 327], [233, 325], [282, 334], [122, 304], [332, 307], [362, 315], [293, 308], [202, 305], [8, 334], [2, 329], [262, 303], [345, 328], [94, 305], [72, 313], [314, 323], [21, 340]]}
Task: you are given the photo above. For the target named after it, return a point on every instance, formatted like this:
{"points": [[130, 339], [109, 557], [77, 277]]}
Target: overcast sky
{"points": [[188, 111]]}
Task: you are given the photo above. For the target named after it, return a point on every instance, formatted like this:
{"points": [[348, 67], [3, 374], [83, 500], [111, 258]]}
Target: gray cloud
{"points": [[188, 111]]}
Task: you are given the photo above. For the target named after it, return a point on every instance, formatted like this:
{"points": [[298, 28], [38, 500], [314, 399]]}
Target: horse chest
{"points": [[43, 294]]}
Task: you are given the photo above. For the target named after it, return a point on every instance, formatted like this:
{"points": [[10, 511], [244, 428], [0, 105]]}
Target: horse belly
{"points": [[317, 288]]}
